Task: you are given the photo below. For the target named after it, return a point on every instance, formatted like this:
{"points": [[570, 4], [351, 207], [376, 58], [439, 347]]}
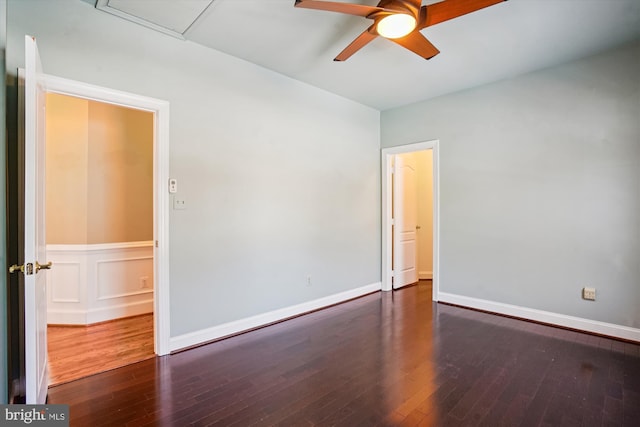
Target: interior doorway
{"points": [[99, 234], [412, 209], [403, 256], [156, 248]]}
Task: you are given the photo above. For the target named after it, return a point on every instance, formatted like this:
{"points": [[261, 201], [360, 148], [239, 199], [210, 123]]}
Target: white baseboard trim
{"points": [[216, 332], [96, 315], [67, 317], [579, 323], [425, 275], [122, 310]]}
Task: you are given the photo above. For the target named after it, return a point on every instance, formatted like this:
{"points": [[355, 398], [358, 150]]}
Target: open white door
{"points": [[35, 298], [405, 216]]}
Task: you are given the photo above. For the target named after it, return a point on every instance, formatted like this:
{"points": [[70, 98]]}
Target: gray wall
{"points": [[281, 179], [540, 186]]}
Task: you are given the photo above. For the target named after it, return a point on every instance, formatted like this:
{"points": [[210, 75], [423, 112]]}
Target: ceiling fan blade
{"points": [[445, 10], [357, 44], [417, 44], [333, 6]]}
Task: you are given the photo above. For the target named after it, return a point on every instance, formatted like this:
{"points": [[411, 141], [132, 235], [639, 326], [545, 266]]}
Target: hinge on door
{"points": [[157, 246], [393, 221], [392, 274]]}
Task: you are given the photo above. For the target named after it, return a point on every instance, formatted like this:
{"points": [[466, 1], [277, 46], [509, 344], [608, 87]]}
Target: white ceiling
{"points": [[501, 41]]}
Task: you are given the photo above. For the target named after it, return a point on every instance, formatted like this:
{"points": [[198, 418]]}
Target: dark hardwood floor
{"points": [[390, 359]]}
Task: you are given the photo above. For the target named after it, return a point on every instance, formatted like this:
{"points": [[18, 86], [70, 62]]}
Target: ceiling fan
{"points": [[399, 20]]}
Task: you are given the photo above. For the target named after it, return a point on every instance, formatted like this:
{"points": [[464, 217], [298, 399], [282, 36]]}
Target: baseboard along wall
{"points": [[562, 320], [425, 275], [192, 339], [214, 333]]}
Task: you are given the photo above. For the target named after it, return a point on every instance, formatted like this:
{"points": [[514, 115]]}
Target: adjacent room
{"points": [[337, 226], [99, 217]]}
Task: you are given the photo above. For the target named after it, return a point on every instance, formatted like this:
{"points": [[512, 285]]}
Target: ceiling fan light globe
{"points": [[396, 25]]}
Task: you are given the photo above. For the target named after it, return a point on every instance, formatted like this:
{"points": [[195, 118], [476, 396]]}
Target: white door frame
{"points": [[387, 201], [160, 110]]}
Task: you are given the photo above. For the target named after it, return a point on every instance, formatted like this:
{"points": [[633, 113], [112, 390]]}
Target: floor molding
{"points": [[425, 275], [571, 322], [203, 336], [98, 315]]}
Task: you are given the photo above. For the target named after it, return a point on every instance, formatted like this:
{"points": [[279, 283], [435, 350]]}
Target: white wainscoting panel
{"points": [[94, 283], [64, 282], [119, 278]]}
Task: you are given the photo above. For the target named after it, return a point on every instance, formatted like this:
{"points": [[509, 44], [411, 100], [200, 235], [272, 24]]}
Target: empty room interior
{"points": [[435, 228]]}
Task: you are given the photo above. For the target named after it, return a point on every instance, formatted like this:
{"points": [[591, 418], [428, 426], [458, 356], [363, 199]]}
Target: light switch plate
{"points": [[179, 204]]}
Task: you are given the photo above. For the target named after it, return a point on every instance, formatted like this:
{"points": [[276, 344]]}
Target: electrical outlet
{"points": [[144, 282], [589, 294]]}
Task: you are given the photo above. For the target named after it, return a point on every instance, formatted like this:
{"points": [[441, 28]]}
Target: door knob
{"points": [[29, 267], [16, 267], [26, 269], [46, 266]]}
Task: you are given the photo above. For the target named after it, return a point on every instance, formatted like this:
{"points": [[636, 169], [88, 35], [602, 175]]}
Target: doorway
{"points": [[99, 234], [158, 279], [389, 217]]}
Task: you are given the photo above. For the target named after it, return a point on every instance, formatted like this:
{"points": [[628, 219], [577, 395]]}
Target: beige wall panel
{"points": [[424, 159], [120, 174], [66, 169]]}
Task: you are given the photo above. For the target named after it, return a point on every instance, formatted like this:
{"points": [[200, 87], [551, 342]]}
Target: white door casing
{"points": [[405, 216], [387, 155], [160, 109], [35, 295]]}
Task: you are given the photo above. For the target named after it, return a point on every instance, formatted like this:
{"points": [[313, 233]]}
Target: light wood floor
{"points": [[79, 351]]}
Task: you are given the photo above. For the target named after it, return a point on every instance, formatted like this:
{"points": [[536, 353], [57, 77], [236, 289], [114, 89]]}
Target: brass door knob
{"points": [[46, 266], [16, 267]]}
